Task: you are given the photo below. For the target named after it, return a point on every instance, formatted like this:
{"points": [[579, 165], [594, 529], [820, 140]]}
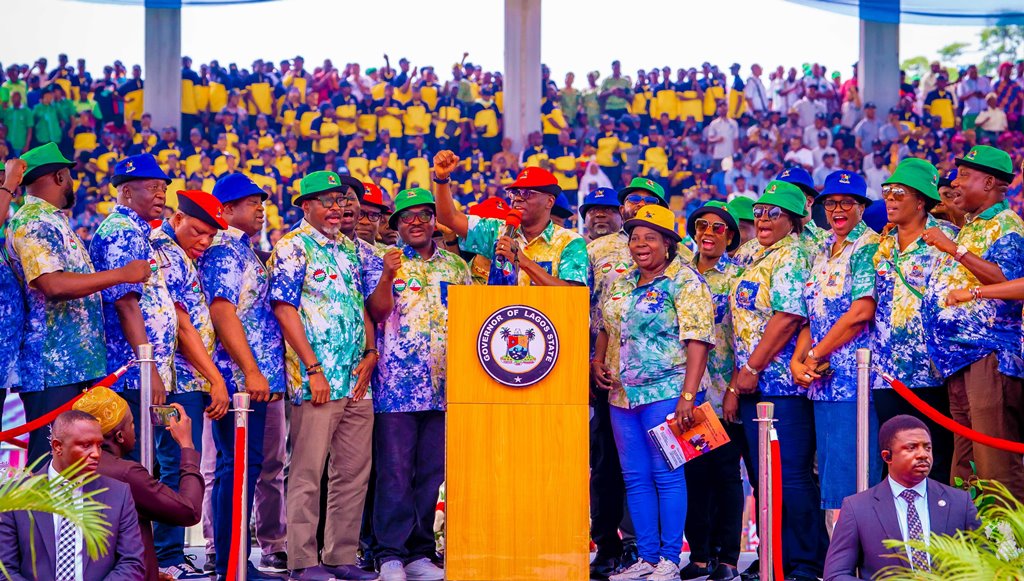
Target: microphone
{"points": [[512, 222]]}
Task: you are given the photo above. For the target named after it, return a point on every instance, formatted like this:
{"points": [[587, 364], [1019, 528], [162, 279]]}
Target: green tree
{"points": [[998, 44], [917, 65], [952, 52]]}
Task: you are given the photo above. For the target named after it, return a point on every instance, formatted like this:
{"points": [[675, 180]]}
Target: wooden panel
{"points": [[517, 492], [469, 307]]}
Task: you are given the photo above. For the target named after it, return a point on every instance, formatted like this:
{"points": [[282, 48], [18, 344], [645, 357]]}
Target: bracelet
{"points": [[315, 367], [597, 361], [368, 351], [8, 190], [976, 293], [441, 182], [310, 372], [732, 390]]}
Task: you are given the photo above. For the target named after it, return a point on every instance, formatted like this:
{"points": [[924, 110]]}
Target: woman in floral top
{"points": [[660, 314]]}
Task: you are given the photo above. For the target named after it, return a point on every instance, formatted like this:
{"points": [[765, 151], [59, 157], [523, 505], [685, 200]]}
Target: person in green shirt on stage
{"points": [[46, 120], [19, 121], [615, 92]]}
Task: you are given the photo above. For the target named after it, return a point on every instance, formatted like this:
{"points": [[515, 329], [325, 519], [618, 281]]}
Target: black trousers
{"points": [[608, 512], [38, 404], [889, 404], [714, 491]]}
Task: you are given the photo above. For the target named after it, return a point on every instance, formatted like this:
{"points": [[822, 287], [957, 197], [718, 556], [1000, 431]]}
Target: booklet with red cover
{"points": [[679, 447]]}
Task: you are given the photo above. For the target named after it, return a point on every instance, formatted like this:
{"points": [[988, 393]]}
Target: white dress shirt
{"points": [[79, 544], [920, 503]]}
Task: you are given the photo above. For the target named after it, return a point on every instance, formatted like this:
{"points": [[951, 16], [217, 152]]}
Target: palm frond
{"points": [[36, 492]]}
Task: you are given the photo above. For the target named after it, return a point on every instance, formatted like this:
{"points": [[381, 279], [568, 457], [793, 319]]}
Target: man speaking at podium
{"points": [[542, 253]]}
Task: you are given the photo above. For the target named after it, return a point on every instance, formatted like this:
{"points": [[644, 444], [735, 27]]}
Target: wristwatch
{"points": [[750, 369], [810, 353], [688, 396], [961, 250]]}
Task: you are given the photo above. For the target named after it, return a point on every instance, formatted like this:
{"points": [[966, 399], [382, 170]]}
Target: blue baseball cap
{"points": [[845, 183], [599, 197], [235, 187], [799, 177], [138, 167]]}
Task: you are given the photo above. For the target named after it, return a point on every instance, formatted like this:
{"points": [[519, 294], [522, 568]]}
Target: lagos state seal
{"points": [[517, 346]]}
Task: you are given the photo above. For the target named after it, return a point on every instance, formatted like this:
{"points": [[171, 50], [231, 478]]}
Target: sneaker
{"points": [[274, 562], [423, 570], [392, 571], [210, 566], [665, 571], [638, 571], [185, 570]]}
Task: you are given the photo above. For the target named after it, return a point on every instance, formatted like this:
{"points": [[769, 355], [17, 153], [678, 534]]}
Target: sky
{"points": [[576, 35]]}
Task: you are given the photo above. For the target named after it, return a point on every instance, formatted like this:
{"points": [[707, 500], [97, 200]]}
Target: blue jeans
{"points": [[656, 496], [836, 433], [804, 539], [224, 481], [170, 540]]}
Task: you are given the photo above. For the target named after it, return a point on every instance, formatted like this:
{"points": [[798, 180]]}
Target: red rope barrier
{"points": [[776, 505], [236, 510], [948, 423], [47, 419]]}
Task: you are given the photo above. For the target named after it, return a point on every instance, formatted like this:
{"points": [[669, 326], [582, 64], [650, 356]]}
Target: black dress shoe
{"points": [[630, 555], [724, 572], [603, 567], [753, 572], [693, 571]]}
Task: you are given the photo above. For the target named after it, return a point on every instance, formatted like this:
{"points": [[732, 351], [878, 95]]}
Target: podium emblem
{"points": [[517, 346]]}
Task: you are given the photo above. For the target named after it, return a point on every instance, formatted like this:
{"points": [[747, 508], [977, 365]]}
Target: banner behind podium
{"points": [[517, 434]]}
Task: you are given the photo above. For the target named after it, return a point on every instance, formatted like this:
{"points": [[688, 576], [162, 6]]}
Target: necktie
{"points": [[66, 551], [914, 531]]}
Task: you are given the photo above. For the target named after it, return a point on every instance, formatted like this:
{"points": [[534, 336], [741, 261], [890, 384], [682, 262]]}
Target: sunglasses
{"points": [[770, 212], [717, 227], [642, 199], [897, 193], [371, 216], [523, 194], [331, 201], [845, 205], [424, 216]]}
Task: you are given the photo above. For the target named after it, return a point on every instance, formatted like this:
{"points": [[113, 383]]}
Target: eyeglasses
{"points": [[371, 216], [329, 201], [522, 194], [845, 205], [642, 199], [424, 216], [717, 227], [770, 212], [896, 192]]}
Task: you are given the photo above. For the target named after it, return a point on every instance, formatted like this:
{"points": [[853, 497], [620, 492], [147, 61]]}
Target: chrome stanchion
{"points": [[241, 403], [147, 367], [863, 419], [765, 418]]}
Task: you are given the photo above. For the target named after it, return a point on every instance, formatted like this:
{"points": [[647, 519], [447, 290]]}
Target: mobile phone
{"points": [[824, 369], [162, 414]]}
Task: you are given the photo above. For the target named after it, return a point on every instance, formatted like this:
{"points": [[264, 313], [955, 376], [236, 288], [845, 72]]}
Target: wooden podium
{"points": [[517, 434]]}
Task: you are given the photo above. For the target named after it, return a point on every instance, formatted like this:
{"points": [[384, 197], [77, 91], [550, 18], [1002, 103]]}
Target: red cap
{"points": [[374, 196], [536, 178], [490, 208], [202, 206]]}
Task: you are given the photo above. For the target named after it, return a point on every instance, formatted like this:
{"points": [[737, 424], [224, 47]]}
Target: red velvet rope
{"points": [[776, 452], [47, 419], [236, 510], [948, 423]]}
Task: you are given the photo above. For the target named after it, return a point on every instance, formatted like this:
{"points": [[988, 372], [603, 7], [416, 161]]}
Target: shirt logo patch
{"points": [[883, 268], [621, 267], [319, 275], [399, 285], [414, 285], [152, 264], [606, 268], [195, 286], [618, 296], [653, 301], [746, 294]]}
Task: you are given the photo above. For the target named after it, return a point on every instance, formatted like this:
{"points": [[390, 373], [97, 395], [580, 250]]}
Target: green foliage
{"points": [[951, 52], [917, 65], [991, 552], [999, 44], [23, 491]]}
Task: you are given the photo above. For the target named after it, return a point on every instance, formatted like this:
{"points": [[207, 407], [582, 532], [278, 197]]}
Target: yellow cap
{"points": [[105, 405], [657, 218]]}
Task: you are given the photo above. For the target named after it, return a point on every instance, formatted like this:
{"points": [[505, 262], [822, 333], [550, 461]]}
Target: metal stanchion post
{"points": [[241, 403], [863, 421], [147, 366], [765, 417]]}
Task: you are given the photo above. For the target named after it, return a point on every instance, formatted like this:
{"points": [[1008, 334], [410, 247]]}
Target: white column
{"points": [[162, 70], [522, 70], [879, 68]]}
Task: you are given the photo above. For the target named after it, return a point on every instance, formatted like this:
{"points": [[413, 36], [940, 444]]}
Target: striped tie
{"points": [[66, 551], [914, 530]]}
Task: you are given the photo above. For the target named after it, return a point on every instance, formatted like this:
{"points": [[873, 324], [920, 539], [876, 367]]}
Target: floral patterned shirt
{"points": [[650, 325], [413, 344], [835, 282], [62, 342], [773, 282], [561, 252], [721, 360], [121, 238]]}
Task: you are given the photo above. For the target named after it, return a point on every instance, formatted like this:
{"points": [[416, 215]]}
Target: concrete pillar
{"points": [[162, 69], [878, 73], [522, 70]]}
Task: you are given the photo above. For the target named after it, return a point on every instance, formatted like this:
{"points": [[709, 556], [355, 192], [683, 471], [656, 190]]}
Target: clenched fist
{"points": [[445, 163]]}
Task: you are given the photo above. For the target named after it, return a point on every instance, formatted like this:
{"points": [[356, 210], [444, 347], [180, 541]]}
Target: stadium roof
{"points": [[975, 12]]}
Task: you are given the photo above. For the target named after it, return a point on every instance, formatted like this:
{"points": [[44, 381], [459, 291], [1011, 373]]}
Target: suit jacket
{"points": [[869, 517], [123, 561], [157, 502]]}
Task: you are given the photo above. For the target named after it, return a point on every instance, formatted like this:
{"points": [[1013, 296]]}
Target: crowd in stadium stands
{"points": [[700, 133]]}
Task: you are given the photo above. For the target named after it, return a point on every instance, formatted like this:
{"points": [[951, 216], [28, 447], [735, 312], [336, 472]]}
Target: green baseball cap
{"points": [[985, 158], [918, 174], [407, 199], [319, 182], [646, 185], [722, 211], [742, 208], [784, 195], [43, 160]]}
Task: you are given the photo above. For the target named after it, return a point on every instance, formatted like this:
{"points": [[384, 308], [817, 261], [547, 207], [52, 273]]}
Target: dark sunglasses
{"points": [[642, 199], [770, 212], [718, 227], [424, 216]]}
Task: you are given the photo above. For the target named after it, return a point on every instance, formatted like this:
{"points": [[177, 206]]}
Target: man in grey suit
{"points": [[906, 505], [60, 553]]}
